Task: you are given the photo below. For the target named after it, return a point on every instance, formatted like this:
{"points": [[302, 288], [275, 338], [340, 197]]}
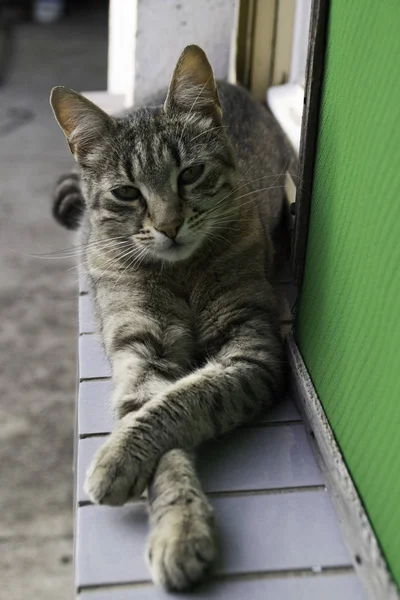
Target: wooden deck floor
{"points": [[278, 531]]}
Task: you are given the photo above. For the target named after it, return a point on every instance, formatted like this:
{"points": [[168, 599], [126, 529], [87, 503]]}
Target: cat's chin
{"points": [[177, 252]]}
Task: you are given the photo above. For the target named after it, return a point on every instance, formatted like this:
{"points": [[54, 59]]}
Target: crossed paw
{"points": [[181, 547], [117, 473]]}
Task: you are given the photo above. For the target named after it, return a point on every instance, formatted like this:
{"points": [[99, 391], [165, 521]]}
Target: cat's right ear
{"points": [[84, 124]]}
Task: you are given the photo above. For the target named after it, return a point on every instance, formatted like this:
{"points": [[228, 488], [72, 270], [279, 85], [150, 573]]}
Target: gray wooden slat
{"points": [[317, 587], [92, 362], [86, 317], [257, 533], [265, 458], [284, 410], [248, 459], [94, 410], [83, 282], [86, 449]]}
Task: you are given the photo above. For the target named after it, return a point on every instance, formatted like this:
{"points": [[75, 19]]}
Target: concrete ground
{"points": [[38, 307]]}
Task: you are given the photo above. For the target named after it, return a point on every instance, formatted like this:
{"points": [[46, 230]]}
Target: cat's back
{"points": [[251, 126], [261, 149]]}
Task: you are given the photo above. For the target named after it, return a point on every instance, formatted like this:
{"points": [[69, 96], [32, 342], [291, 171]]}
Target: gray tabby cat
{"points": [[178, 255]]}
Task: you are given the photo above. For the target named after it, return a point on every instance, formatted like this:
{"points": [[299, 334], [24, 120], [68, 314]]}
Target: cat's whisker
{"points": [[213, 212], [105, 248], [264, 189], [208, 131], [218, 236], [136, 256], [67, 252], [247, 183], [115, 261], [70, 269], [111, 247], [238, 187], [241, 179], [87, 244], [122, 272]]}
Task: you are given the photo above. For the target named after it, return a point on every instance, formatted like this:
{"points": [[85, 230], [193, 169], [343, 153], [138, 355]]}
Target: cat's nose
{"points": [[170, 229]]}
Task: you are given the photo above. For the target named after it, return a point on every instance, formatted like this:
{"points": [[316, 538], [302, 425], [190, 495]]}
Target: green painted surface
{"points": [[348, 326]]}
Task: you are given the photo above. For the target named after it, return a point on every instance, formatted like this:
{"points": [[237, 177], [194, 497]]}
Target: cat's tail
{"points": [[68, 203]]}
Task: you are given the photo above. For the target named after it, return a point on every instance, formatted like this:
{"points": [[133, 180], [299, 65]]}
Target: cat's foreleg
{"points": [[228, 390], [136, 383], [181, 546]]}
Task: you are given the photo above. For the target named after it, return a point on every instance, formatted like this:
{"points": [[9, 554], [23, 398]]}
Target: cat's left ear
{"points": [[84, 124], [193, 88]]}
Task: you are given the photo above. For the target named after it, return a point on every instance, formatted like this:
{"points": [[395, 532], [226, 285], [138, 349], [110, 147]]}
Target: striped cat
{"points": [[180, 202]]}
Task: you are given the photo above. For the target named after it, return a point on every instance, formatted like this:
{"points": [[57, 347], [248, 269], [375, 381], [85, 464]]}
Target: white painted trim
{"points": [[111, 103], [282, 55], [122, 28], [356, 528], [262, 46], [146, 38], [232, 78], [286, 103], [300, 41]]}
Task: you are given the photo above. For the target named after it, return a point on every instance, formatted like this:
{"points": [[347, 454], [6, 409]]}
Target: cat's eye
{"points": [[126, 193], [190, 175]]}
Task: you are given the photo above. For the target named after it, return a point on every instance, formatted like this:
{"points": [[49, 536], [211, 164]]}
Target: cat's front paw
{"points": [[116, 473], [181, 548]]}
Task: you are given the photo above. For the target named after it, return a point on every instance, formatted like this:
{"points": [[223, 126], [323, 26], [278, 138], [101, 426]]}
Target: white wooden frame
{"points": [[146, 38], [122, 29], [286, 101]]}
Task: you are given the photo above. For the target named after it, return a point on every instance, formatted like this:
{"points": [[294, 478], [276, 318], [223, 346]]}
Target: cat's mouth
{"points": [[176, 250]]}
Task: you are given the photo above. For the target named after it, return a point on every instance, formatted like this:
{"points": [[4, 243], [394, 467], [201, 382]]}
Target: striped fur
{"points": [[190, 328]]}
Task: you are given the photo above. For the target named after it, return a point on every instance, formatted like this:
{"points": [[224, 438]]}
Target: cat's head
{"points": [[160, 177]]}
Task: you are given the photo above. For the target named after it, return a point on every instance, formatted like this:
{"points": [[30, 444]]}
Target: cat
{"points": [[177, 205]]}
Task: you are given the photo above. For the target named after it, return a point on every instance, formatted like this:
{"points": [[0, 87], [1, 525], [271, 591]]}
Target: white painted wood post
{"points": [[122, 32], [287, 101], [147, 36], [300, 41]]}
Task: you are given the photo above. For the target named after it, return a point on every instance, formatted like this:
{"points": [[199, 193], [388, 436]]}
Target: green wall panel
{"points": [[348, 325]]}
